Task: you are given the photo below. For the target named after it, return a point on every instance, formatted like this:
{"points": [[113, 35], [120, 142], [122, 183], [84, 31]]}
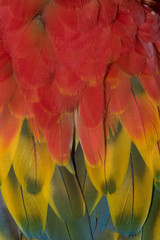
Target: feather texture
{"points": [[80, 118], [31, 213]]}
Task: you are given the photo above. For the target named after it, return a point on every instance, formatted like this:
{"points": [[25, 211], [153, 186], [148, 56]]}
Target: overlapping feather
{"points": [[80, 89]]}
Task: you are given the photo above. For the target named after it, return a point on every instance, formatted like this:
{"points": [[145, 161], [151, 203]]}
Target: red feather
{"points": [[59, 138]]}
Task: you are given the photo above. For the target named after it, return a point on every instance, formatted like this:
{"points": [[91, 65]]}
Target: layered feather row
{"points": [[80, 78]]}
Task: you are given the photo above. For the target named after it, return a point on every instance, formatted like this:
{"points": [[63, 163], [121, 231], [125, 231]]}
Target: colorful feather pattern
{"points": [[79, 119]]}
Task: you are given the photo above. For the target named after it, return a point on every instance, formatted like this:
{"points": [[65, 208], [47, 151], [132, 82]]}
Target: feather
{"points": [[9, 133], [68, 83], [151, 86], [92, 142], [76, 49], [137, 12], [66, 195], [32, 162], [104, 170], [108, 11], [92, 106], [27, 43], [81, 20], [130, 204], [149, 31], [55, 228], [143, 124], [91, 196], [151, 228], [18, 104], [25, 9], [29, 211], [132, 64], [59, 138], [6, 69], [103, 213], [43, 117], [143, 127], [7, 88], [107, 234], [118, 145], [80, 229], [118, 88], [8, 228]]}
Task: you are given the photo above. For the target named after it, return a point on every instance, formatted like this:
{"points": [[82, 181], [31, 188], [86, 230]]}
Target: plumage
{"points": [[31, 163], [150, 230], [80, 119], [130, 204], [94, 138], [32, 209], [59, 138]]}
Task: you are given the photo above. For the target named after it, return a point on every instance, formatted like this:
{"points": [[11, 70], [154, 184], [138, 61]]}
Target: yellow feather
{"points": [[28, 210], [32, 163], [110, 174], [130, 204]]}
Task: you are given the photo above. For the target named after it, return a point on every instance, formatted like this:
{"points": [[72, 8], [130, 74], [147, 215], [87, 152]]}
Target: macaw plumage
{"points": [[80, 119]]}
